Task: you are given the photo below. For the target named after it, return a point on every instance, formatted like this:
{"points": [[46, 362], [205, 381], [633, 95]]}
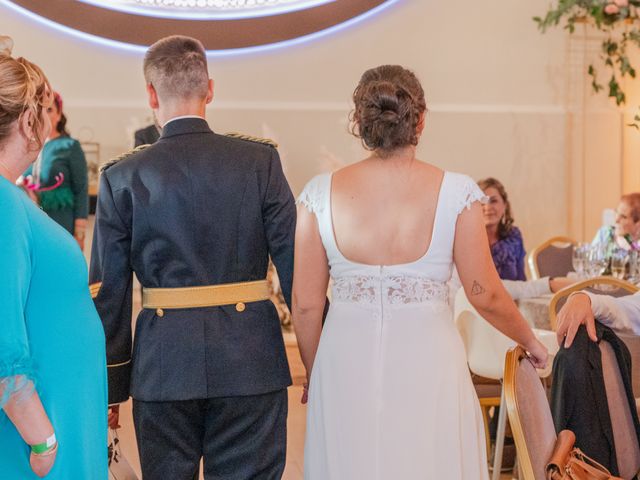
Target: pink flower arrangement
{"points": [[611, 9], [613, 6]]}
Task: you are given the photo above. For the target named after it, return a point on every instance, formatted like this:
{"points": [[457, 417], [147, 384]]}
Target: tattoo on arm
{"points": [[477, 289]]}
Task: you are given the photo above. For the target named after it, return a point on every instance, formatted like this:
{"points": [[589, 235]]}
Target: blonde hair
{"points": [[24, 90]]}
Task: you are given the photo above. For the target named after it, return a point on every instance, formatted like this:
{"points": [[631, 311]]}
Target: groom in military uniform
{"points": [[196, 216]]}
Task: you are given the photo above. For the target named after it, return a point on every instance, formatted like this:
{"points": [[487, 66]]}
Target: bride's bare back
{"points": [[383, 210]]}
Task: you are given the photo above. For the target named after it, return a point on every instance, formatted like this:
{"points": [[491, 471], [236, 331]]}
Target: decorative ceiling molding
{"points": [[228, 34]]}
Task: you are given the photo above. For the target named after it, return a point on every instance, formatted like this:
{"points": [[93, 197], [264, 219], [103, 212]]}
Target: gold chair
{"points": [[552, 258], [529, 415]]}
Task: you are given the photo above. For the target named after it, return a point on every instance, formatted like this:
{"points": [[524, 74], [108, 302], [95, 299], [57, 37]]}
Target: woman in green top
{"points": [[59, 176]]}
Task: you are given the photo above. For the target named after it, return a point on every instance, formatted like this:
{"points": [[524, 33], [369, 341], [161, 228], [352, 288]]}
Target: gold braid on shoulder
{"points": [[117, 159], [249, 138]]}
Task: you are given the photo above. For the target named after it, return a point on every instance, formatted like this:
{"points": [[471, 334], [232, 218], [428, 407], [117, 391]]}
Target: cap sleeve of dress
{"points": [[16, 369], [312, 196], [468, 193]]}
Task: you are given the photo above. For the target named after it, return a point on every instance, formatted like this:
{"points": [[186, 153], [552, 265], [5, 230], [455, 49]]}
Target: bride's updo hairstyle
{"points": [[389, 102], [24, 88]]}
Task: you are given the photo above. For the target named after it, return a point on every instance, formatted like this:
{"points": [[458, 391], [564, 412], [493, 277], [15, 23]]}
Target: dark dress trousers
{"points": [[146, 136], [193, 209]]}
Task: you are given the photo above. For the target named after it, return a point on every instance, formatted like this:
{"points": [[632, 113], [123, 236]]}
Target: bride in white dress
{"points": [[390, 395]]}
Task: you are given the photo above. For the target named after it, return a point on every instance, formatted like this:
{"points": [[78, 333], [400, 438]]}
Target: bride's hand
{"points": [[305, 393], [538, 353]]}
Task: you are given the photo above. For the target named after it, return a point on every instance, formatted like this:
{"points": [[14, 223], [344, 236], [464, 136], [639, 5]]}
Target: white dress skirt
{"points": [[391, 396]]}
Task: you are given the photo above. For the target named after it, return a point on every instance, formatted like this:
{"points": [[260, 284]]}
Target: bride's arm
{"points": [[483, 287], [310, 281]]}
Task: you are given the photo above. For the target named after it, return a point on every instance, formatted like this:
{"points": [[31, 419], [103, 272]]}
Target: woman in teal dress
{"points": [[59, 176], [53, 392]]}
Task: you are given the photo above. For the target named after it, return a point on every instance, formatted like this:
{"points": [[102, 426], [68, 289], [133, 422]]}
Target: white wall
{"points": [[497, 91]]}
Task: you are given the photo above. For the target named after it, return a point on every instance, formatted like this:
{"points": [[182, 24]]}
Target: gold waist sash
{"points": [[207, 296]]}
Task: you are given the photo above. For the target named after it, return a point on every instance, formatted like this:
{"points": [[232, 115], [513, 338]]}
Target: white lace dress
{"points": [[390, 394]]}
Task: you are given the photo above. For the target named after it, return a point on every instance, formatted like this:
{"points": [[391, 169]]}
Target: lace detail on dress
{"points": [[17, 378], [17, 387], [312, 195], [470, 193], [393, 289]]}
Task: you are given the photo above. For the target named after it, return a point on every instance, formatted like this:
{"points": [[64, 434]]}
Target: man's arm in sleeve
{"points": [[620, 313], [279, 218], [111, 279]]}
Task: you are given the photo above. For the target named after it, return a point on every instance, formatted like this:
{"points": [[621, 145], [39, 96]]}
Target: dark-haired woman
{"points": [[389, 392], [59, 176], [505, 239]]}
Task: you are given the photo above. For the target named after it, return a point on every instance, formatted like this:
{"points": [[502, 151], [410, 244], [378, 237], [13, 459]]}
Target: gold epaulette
{"points": [[94, 289], [249, 138], [115, 160]]}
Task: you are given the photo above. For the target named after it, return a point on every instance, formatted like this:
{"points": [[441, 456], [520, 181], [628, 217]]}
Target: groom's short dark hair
{"points": [[176, 66]]}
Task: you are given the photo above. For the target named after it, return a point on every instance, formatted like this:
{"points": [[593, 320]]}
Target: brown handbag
{"points": [[569, 463]]}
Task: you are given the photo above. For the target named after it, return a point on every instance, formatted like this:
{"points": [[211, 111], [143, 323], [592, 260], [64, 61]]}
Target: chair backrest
{"points": [[485, 345], [633, 344], [552, 259], [600, 285], [625, 437], [529, 414]]}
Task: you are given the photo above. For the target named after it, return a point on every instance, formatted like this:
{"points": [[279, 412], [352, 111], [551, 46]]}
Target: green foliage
{"points": [[607, 16]]}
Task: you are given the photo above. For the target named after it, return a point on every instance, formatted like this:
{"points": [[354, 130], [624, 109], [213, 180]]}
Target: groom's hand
{"points": [[577, 311]]}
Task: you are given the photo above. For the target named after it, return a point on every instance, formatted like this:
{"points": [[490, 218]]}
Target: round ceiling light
{"points": [[207, 9], [223, 26]]}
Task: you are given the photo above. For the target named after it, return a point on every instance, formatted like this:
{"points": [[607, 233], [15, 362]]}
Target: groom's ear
{"points": [[154, 103]]}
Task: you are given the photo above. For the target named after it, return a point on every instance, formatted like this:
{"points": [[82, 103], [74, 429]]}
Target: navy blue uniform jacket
{"points": [[195, 208]]}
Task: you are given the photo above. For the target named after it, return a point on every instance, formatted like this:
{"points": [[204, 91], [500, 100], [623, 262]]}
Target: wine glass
{"points": [[579, 259], [597, 260], [633, 266], [619, 259]]}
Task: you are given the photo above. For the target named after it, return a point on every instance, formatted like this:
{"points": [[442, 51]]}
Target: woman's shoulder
{"points": [[14, 204], [514, 232], [312, 194], [513, 239], [62, 143], [606, 230], [459, 179], [462, 190]]}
